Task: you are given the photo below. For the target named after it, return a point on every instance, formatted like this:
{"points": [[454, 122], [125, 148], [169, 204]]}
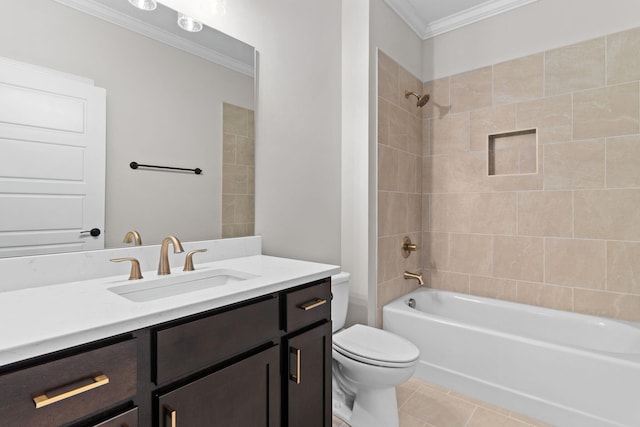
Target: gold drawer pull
{"points": [[168, 410], [44, 400], [296, 353], [317, 302]]}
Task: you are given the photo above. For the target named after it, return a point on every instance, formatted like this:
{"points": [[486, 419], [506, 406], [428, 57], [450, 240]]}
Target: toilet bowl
{"points": [[368, 363]]}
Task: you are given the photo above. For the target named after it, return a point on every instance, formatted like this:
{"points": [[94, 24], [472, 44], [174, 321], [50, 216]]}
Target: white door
{"points": [[52, 161]]}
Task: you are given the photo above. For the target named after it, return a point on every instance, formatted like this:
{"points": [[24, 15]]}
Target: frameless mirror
{"points": [[173, 98]]}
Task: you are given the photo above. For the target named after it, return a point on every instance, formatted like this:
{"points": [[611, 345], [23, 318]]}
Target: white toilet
{"points": [[368, 363]]}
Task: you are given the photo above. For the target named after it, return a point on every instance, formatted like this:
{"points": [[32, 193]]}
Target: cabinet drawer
{"points": [[126, 419], [198, 344], [308, 305], [69, 388]]}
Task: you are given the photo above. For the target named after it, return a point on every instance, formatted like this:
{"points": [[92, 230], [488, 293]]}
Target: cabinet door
{"points": [[309, 378], [244, 394], [126, 419]]}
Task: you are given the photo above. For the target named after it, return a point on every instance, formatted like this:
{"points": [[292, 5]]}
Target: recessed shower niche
{"points": [[513, 153]]}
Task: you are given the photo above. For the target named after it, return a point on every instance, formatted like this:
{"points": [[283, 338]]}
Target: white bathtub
{"points": [[567, 369]]}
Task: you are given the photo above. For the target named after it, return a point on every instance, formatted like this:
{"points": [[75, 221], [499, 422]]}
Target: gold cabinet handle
{"points": [[296, 353], [169, 411], [44, 400], [309, 305]]}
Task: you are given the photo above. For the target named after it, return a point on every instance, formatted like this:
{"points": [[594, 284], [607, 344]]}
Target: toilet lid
{"points": [[375, 346]]}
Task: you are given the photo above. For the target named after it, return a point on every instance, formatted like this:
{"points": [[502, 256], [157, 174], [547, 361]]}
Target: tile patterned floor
{"points": [[426, 405]]}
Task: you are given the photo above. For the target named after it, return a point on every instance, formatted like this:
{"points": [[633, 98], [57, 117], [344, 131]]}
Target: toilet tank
{"points": [[340, 300]]}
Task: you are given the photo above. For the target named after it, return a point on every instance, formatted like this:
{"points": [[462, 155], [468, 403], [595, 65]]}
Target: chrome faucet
{"points": [[133, 236], [164, 267], [418, 277]]}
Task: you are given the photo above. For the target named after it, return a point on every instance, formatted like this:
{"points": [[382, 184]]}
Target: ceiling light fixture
{"points": [[189, 24], [219, 7], [144, 4]]}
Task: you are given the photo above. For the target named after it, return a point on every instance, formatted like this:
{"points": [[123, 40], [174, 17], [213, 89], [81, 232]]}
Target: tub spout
{"points": [[418, 277]]}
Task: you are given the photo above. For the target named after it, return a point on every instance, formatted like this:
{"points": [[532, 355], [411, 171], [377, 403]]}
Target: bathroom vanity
{"points": [[249, 353]]}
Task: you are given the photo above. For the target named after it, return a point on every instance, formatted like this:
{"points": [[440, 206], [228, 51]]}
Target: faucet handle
{"points": [[188, 261], [135, 273], [408, 247]]}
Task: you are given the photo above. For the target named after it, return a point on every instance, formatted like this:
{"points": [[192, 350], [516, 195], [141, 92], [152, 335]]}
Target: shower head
{"points": [[422, 99]]}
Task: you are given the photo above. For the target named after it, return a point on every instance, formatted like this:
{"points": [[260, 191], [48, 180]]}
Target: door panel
{"points": [[36, 108], [52, 161], [36, 160]]}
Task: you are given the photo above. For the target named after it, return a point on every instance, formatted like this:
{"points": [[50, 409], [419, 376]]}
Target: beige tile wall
{"points": [[399, 178], [238, 172], [566, 237]]}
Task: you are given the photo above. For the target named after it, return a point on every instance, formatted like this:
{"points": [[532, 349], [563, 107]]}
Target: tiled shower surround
{"points": [[565, 237], [238, 172], [400, 199]]}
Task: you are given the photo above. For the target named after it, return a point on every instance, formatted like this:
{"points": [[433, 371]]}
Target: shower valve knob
{"points": [[408, 247]]}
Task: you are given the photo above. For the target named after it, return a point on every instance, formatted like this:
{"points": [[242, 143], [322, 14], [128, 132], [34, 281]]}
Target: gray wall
{"points": [[298, 119]]}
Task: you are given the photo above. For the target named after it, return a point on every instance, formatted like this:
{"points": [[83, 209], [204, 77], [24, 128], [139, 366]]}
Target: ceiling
{"points": [[160, 24], [428, 18]]}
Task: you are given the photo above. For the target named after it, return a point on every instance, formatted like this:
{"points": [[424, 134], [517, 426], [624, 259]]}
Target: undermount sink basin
{"points": [[181, 283]]}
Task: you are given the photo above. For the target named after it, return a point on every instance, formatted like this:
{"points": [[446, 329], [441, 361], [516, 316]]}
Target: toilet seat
{"points": [[375, 347]]}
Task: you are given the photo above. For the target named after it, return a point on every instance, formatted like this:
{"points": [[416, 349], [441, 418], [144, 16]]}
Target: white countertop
{"points": [[40, 320]]}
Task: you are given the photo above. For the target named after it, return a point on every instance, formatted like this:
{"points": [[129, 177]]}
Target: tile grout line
{"points": [[471, 416], [408, 398]]}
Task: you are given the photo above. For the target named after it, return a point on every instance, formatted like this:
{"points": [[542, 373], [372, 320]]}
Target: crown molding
{"points": [[110, 15], [457, 20], [409, 15], [471, 15]]}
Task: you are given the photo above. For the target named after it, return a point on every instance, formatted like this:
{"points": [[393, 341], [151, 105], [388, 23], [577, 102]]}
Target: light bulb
{"points": [[187, 23], [144, 4], [219, 7]]}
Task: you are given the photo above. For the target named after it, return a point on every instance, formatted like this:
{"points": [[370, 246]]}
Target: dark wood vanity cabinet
{"points": [[126, 419], [307, 382], [308, 390], [65, 388], [192, 345], [246, 393], [220, 370], [262, 362]]}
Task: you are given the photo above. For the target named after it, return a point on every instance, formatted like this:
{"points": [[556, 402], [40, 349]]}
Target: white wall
{"points": [[298, 121], [151, 89], [393, 36], [536, 27], [355, 154]]}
